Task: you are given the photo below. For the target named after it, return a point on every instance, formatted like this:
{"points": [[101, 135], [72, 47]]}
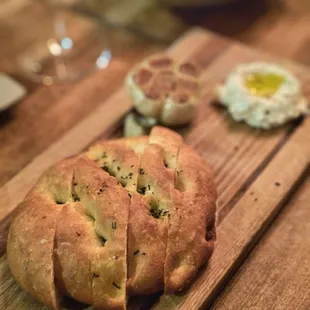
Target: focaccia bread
{"points": [[164, 89], [128, 217]]}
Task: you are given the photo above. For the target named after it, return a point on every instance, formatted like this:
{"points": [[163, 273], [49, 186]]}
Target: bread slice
{"points": [[107, 204], [30, 253], [191, 212], [192, 224], [74, 250], [155, 182], [30, 246], [146, 236]]}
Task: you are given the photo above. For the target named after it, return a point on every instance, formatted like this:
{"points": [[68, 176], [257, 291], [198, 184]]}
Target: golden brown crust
{"points": [[31, 239], [146, 249], [194, 216], [146, 235], [75, 243], [77, 204], [169, 141], [128, 217], [192, 211], [108, 204], [30, 249]]}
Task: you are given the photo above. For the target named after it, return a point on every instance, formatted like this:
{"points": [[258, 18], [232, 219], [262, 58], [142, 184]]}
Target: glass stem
{"points": [[60, 34]]}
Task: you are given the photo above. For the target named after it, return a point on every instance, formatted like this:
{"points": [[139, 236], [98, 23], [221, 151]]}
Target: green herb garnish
{"points": [[141, 190]]}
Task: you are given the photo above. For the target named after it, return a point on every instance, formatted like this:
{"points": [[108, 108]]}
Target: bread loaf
{"points": [[128, 217]]}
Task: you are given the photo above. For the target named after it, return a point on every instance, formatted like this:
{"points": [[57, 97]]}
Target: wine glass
{"points": [[64, 45]]}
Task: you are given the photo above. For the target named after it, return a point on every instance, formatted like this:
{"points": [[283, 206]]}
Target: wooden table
{"points": [[276, 274], [265, 24]]}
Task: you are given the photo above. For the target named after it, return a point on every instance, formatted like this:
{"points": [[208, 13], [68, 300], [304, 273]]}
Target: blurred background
{"points": [[131, 27], [45, 44]]}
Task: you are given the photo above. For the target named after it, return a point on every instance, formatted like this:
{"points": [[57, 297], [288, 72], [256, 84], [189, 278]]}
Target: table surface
{"points": [[280, 27]]}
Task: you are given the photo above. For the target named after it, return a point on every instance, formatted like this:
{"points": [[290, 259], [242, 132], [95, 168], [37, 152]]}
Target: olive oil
{"points": [[264, 84]]}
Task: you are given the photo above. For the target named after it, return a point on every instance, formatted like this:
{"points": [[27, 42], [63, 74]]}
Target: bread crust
{"points": [[146, 236], [128, 217], [74, 249], [192, 224], [30, 253], [107, 204]]}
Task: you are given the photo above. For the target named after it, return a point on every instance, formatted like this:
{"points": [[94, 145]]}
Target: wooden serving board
{"points": [[255, 171]]}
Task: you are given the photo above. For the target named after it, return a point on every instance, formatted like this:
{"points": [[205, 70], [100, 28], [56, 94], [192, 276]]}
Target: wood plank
{"points": [[24, 136], [276, 274], [11, 294], [245, 224]]}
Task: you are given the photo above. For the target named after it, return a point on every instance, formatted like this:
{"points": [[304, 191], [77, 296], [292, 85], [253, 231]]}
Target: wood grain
{"points": [[241, 157], [12, 295], [244, 225], [246, 164], [276, 275]]}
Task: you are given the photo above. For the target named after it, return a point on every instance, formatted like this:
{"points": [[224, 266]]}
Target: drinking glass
{"points": [[62, 45]]}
